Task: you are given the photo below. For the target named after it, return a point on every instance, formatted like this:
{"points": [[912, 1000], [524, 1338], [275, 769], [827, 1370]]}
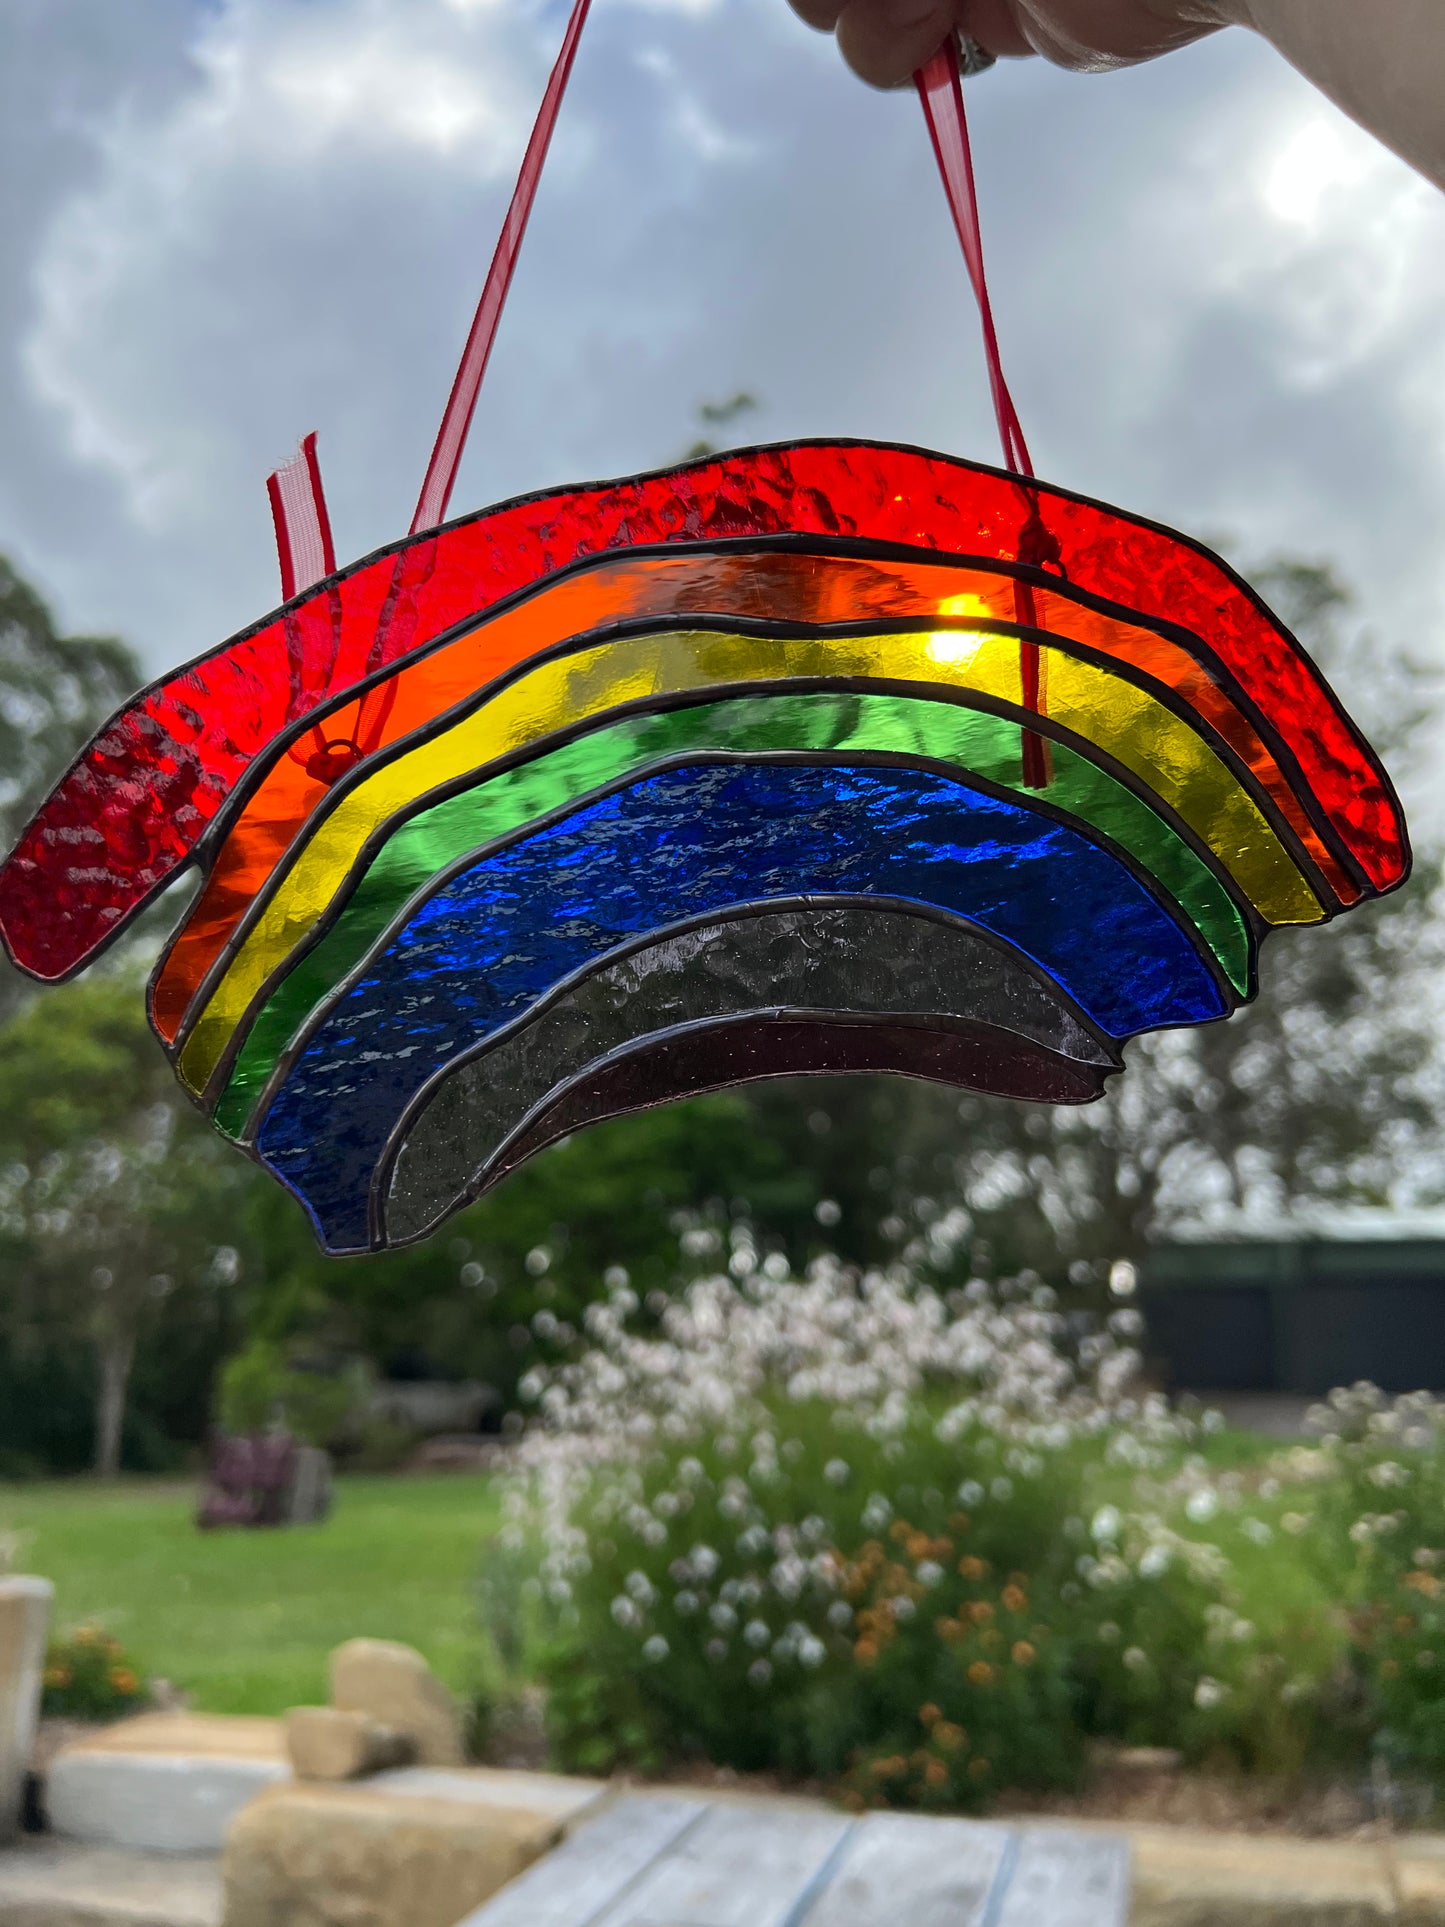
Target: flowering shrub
{"points": [[88, 1677], [842, 1527], [1378, 1518]]}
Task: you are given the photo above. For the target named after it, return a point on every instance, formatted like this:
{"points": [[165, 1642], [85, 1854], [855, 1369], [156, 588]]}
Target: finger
{"points": [[822, 14], [994, 25], [884, 41]]}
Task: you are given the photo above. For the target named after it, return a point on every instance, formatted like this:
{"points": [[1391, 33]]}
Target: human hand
{"points": [[883, 41]]}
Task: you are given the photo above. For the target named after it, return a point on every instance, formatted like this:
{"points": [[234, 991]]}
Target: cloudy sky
{"points": [[225, 222]]}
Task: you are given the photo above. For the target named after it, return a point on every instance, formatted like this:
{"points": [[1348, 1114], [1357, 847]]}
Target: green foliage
{"points": [[260, 1387], [900, 1614], [89, 1677], [54, 691], [1377, 1525]]}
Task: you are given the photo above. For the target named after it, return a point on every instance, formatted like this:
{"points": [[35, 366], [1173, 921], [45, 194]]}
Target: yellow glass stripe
{"points": [[1163, 751]]}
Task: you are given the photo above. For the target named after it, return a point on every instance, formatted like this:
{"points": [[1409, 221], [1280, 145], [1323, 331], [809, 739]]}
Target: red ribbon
{"points": [[451, 438], [940, 88]]}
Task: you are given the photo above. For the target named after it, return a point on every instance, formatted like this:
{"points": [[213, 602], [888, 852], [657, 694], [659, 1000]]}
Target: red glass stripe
{"points": [[132, 808]]}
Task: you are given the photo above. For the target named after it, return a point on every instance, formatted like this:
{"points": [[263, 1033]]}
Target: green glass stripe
{"points": [[945, 732]]}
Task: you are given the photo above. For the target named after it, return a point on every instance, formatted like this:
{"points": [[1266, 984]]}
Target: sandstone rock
{"points": [[24, 1627], [326, 1743], [1192, 1877], [225, 1736], [394, 1686], [314, 1856]]}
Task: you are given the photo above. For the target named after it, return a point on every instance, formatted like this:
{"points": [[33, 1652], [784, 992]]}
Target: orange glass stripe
{"points": [[772, 586]]}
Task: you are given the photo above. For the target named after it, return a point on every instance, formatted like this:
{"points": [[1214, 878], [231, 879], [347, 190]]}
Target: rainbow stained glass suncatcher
{"points": [[828, 756]]}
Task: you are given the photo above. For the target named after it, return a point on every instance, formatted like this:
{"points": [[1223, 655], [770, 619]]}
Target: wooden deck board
{"points": [[659, 1860], [901, 1870], [1064, 1879], [590, 1871], [743, 1866]]}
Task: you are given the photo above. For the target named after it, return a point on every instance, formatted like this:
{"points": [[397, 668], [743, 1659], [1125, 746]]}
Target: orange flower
{"points": [[87, 1636], [936, 1773], [971, 1567], [948, 1737], [1423, 1582], [981, 1673], [959, 1522], [124, 1680], [1015, 1598], [980, 1612], [929, 1714], [978, 1769], [866, 1652], [1023, 1653], [58, 1678], [949, 1629], [919, 1546], [899, 1531]]}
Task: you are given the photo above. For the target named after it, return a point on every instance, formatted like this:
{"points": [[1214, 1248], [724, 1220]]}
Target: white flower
{"points": [[756, 1633], [970, 1493], [1109, 1633], [1002, 1489], [1154, 1563], [1135, 1658], [716, 1650], [877, 1513], [929, 1572], [1257, 1531], [1208, 1693], [686, 1604], [655, 1650], [625, 1613], [704, 1561], [1294, 1523], [836, 1471], [1107, 1523], [1201, 1506], [840, 1614], [723, 1617], [812, 1652], [760, 1672], [638, 1586], [1388, 1473]]}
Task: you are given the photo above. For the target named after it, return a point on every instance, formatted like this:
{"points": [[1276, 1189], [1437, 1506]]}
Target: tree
{"points": [[115, 1193], [1326, 1087], [55, 691]]}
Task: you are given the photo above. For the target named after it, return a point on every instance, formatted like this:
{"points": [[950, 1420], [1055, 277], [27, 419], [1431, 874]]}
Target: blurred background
{"points": [[226, 222]]}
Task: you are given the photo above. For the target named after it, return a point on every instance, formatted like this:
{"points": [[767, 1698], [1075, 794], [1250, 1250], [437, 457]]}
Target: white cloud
{"points": [[1219, 302]]}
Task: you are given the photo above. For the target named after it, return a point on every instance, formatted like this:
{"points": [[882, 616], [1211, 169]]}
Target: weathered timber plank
{"points": [[590, 1872], [741, 1866], [902, 1870], [1064, 1879]]}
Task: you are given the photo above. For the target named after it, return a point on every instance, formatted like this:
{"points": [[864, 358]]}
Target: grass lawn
{"points": [[244, 1621]]}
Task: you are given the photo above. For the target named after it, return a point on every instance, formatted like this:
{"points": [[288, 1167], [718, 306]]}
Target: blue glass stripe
{"points": [[696, 840]]}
